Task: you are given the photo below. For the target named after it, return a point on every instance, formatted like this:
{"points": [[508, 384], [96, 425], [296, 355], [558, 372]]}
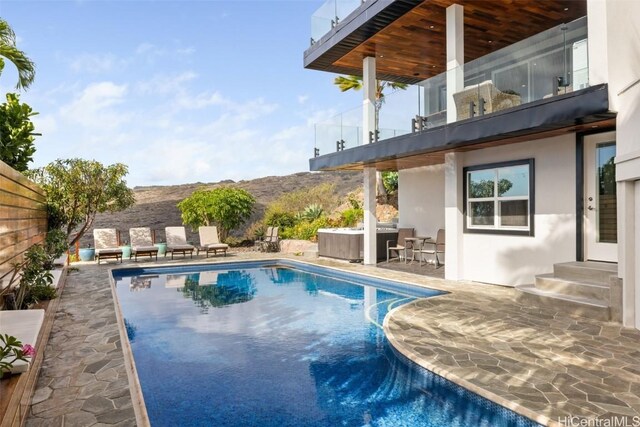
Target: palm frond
{"points": [[26, 68], [348, 83]]}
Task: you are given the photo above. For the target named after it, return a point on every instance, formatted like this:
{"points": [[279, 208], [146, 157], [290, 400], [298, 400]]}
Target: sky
{"points": [[180, 91]]}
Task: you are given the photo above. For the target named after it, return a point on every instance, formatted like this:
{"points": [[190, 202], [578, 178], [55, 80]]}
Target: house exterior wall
{"points": [[421, 199], [614, 49], [513, 260]]}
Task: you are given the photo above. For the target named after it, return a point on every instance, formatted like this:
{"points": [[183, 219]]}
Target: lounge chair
{"points": [[175, 280], [177, 241], [142, 243], [432, 247], [209, 241], [399, 247], [107, 245], [260, 242], [271, 241]]}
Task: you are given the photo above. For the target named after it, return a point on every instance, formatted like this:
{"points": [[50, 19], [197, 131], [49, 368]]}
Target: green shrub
{"points": [[233, 241], [351, 217], [56, 243], [275, 217], [41, 292], [355, 203], [34, 276], [309, 230], [390, 181]]}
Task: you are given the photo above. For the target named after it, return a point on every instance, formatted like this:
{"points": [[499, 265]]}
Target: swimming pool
{"points": [[286, 344]]}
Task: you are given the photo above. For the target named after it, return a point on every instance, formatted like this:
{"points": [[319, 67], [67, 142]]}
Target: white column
{"points": [[453, 208], [368, 125], [634, 285], [455, 57], [597, 42], [626, 249]]}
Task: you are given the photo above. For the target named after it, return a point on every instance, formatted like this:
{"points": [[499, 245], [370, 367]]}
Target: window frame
{"points": [[496, 229]]}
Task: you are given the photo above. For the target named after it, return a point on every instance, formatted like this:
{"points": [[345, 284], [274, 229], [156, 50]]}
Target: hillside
{"points": [[156, 205]]}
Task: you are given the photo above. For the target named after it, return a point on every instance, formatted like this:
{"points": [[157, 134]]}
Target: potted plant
{"points": [[162, 247], [87, 254], [126, 250]]}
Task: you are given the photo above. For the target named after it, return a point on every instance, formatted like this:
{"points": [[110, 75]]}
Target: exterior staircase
{"points": [[588, 289]]}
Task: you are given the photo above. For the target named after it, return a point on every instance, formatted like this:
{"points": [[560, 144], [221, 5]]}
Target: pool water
{"points": [[264, 345]]}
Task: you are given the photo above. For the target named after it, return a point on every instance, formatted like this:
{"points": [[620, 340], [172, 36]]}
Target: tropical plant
{"points": [[78, 189], [8, 50], [226, 207], [36, 280], [16, 133], [390, 181], [12, 350], [312, 212], [346, 83], [307, 230]]}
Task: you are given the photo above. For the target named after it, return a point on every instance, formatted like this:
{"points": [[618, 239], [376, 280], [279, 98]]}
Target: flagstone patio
{"points": [[542, 364]]}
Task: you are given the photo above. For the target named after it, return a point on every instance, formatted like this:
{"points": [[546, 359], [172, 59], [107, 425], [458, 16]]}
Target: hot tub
{"points": [[348, 243]]}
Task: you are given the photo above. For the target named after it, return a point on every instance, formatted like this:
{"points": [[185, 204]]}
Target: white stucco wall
{"points": [[513, 260], [614, 58], [421, 199]]}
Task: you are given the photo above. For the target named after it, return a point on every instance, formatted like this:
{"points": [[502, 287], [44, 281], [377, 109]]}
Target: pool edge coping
{"points": [[445, 373], [135, 389]]}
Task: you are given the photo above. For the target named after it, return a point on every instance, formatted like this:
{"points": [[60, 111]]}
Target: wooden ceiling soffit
{"points": [[413, 47]]}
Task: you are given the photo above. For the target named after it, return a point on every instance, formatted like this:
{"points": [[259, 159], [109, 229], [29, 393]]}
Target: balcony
{"points": [[329, 15], [541, 67]]}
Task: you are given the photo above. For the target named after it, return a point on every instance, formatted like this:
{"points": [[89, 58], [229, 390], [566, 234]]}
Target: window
{"points": [[499, 198]]}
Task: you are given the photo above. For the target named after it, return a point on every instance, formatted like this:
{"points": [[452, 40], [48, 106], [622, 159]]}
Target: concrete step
{"points": [[584, 289], [566, 304], [588, 271]]}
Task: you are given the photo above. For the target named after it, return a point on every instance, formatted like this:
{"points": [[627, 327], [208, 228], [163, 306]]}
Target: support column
{"points": [[453, 218], [368, 125], [455, 57], [633, 289]]}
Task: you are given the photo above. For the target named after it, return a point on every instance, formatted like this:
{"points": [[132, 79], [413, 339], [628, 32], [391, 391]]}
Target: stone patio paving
{"points": [[540, 363]]}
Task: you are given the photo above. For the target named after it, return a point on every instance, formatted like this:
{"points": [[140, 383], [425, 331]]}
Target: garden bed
{"points": [[16, 391]]}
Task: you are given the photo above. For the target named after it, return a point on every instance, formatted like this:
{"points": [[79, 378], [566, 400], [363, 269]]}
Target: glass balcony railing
{"points": [[548, 64], [329, 15]]}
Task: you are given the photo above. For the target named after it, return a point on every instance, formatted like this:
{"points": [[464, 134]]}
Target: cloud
{"points": [[96, 63], [94, 106], [302, 99]]}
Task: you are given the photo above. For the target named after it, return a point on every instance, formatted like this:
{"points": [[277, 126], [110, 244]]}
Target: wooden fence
{"points": [[23, 218]]}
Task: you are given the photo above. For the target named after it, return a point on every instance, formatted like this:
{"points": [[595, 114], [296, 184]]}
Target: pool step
{"points": [[588, 289]]}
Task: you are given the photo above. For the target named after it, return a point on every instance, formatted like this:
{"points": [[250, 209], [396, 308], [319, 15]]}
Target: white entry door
{"points": [[600, 209]]}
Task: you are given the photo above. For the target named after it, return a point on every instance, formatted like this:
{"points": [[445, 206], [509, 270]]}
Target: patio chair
{"points": [[271, 240], [209, 241], [399, 245], [432, 247], [259, 243], [142, 243], [107, 244], [177, 241]]}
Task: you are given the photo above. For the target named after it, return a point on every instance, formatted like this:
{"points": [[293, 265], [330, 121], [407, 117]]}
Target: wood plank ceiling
{"points": [[413, 47]]}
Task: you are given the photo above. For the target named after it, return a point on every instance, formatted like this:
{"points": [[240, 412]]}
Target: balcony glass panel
{"points": [[340, 132], [330, 14]]}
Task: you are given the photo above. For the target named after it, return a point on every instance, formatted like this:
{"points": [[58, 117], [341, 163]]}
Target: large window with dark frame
{"points": [[499, 198]]}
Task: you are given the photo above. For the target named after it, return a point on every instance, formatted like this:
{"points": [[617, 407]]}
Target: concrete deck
{"points": [[542, 364]]}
